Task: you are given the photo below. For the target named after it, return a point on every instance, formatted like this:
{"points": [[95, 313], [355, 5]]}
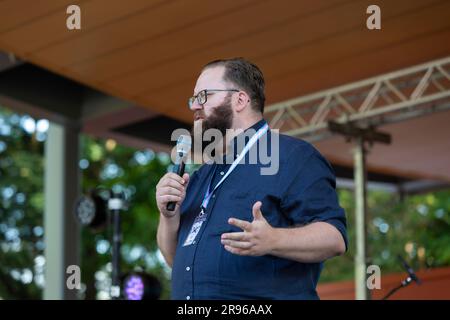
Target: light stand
{"points": [[115, 205]]}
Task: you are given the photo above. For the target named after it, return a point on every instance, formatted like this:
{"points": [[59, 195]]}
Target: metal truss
{"points": [[387, 98]]}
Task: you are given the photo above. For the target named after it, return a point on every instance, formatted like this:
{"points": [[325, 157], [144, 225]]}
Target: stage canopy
{"points": [[127, 73]]}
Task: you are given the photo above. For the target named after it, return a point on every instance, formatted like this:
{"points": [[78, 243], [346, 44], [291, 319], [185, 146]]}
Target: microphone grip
{"points": [[179, 170]]}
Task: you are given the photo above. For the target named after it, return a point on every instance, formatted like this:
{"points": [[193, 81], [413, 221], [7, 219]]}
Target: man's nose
{"points": [[196, 106]]}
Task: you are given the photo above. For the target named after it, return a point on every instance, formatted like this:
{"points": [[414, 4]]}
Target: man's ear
{"points": [[243, 100]]}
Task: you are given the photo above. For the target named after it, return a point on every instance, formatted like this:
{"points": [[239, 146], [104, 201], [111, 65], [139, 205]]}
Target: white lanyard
{"points": [[247, 147]]}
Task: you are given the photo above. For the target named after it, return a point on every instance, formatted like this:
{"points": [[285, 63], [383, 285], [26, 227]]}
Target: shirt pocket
{"points": [[247, 271], [235, 205], [270, 208]]}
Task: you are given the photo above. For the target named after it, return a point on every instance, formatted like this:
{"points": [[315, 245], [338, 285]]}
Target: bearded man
{"points": [[236, 233]]}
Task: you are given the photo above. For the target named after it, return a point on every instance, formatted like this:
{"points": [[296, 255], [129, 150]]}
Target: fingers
{"points": [[186, 178], [174, 176], [171, 184], [169, 198], [257, 214], [239, 236], [236, 240], [170, 190], [244, 225], [237, 244], [171, 178], [174, 184], [238, 251]]}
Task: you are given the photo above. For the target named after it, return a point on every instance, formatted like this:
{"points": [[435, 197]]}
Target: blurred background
{"points": [[95, 107]]}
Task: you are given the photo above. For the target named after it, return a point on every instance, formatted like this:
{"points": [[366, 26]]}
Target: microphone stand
{"points": [[411, 276], [404, 283]]}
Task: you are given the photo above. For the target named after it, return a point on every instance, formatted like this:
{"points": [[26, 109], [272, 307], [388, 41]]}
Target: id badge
{"points": [[190, 239]]}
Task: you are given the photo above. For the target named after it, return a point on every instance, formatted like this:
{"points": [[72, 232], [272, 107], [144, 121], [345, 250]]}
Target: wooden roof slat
{"points": [[15, 13], [299, 56], [197, 37], [134, 29], [93, 15]]}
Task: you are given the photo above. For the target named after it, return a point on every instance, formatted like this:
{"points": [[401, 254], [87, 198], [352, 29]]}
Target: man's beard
{"points": [[221, 118]]}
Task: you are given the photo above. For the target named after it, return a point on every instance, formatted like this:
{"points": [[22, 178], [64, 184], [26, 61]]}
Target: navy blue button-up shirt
{"points": [[300, 192]]}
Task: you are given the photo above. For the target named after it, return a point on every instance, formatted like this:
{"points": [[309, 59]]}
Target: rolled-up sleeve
{"points": [[311, 195]]}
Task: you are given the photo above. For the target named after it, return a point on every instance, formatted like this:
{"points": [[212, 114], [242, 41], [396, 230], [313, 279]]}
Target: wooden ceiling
{"points": [[150, 52]]}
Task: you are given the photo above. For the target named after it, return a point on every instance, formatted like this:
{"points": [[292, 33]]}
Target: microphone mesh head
{"points": [[184, 143]]}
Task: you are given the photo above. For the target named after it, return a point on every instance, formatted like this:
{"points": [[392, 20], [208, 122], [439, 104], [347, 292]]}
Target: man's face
{"points": [[217, 112]]}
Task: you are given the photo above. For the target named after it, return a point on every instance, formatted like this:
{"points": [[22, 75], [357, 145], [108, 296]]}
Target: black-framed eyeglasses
{"points": [[202, 96]]}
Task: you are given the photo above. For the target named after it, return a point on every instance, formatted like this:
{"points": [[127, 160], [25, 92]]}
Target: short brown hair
{"points": [[247, 76]]}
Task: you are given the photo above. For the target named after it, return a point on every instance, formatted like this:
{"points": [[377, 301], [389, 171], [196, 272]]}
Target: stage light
{"points": [[134, 288], [141, 286], [91, 210], [94, 210]]}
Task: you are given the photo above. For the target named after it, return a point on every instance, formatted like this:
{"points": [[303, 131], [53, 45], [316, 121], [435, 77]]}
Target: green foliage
{"points": [[21, 205], [417, 228], [136, 173]]}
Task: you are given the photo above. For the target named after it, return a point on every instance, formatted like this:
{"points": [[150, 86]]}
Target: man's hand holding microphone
{"points": [[170, 193], [171, 189]]}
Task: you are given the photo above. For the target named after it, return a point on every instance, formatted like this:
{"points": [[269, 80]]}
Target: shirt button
{"points": [[222, 173], [214, 196], [188, 268], [188, 297]]}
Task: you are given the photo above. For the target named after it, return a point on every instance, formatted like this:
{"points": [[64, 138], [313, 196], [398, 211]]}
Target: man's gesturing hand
{"points": [[170, 188], [255, 240]]}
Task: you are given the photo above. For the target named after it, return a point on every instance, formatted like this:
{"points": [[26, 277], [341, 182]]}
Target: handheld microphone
{"points": [[409, 270], [183, 147]]}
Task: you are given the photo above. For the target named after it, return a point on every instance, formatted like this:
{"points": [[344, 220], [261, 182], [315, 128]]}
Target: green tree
{"points": [[416, 227], [21, 206], [136, 173]]}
